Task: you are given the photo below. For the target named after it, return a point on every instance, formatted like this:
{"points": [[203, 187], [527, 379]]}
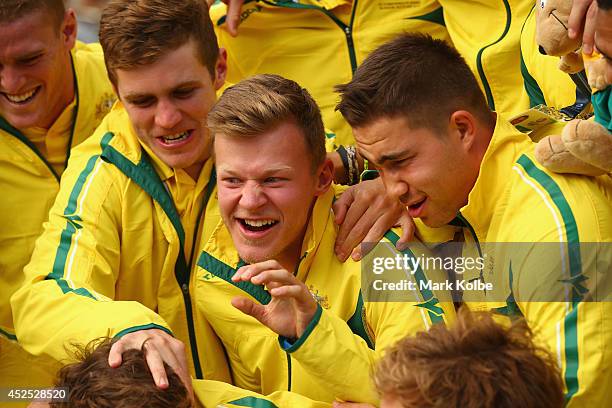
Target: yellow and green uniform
{"points": [[319, 44], [487, 34], [115, 255], [520, 216], [31, 163], [334, 357]]}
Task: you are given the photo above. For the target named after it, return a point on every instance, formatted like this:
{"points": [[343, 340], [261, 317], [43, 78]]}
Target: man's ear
{"points": [[463, 126], [324, 176], [220, 69], [68, 29]]}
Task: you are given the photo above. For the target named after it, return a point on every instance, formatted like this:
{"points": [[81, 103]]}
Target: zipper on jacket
{"points": [[289, 371], [191, 330], [348, 29]]}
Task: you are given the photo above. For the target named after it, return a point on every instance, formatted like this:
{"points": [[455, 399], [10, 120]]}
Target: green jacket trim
{"points": [[72, 224], [253, 402], [8, 335], [536, 96], [571, 231], [141, 327], [225, 272], [427, 294], [436, 17], [284, 341], [481, 73], [357, 323]]}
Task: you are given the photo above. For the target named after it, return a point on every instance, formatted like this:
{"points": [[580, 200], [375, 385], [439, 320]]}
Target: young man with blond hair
{"points": [[300, 321], [53, 93]]}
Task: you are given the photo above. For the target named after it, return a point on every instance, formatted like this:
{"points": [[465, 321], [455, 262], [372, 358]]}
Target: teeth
{"points": [[175, 138], [258, 223], [20, 98]]}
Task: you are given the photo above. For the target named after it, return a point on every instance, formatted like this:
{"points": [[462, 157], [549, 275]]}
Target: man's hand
{"points": [[582, 20], [158, 347], [351, 405], [292, 306], [364, 213]]}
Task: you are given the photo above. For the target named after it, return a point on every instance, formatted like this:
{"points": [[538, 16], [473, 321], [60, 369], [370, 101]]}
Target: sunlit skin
{"points": [[430, 171], [36, 80], [172, 97], [603, 39], [268, 177]]}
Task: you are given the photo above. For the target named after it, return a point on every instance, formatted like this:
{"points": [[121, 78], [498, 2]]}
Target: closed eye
{"points": [[183, 93]]}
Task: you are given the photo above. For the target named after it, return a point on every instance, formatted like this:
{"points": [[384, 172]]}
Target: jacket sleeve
{"points": [[69, 285], [213, 394], [575, 325]]}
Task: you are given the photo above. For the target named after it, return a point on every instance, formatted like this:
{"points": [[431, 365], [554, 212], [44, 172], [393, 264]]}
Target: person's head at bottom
{"points": [[475, 363], [92, 383]]}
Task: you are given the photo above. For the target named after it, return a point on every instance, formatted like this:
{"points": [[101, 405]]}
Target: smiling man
{"points": [[273, 258], [417, 112], [116, 256], [53, 93]]}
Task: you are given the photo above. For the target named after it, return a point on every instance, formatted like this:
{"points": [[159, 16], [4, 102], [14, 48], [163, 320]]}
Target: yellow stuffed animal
{"points": [[584, 147]]}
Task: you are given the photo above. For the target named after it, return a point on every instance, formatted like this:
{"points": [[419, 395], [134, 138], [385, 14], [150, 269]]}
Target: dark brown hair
{"points": [[134, 33], [262, 102], [92, 383], [11, 10], [475, 364], [414, 76]]}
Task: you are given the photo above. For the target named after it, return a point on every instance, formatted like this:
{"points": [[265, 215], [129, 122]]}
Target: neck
{"points": [[65, 98]]}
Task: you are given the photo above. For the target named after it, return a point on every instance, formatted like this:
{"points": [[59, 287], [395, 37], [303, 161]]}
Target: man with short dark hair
{"points": [[53, 93], [469, 176]]}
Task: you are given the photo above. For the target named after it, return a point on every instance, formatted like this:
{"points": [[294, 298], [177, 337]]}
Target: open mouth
{"points": [[21, 99], [176, 138], [415, 209], [257, 225]]}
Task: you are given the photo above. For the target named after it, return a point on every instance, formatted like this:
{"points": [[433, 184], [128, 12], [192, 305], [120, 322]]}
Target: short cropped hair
{"points": [[413, 76], [604, 4], [474, 364], [11, 10], [92, 383], [260, 103], [135, 33]]}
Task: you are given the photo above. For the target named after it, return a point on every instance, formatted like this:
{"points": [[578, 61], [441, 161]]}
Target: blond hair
{"points": [[260, 103]]}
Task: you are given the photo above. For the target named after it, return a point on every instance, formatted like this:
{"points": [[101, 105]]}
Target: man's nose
{"points": [[167, 115]]}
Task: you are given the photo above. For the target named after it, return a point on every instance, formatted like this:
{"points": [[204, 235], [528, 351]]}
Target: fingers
{"points": [[341, 205], [588, 35], [338, 404], [249, 307], [234, 7], [159, 347], [249, 271], [576, 17], [406, 223], [351, 230]]}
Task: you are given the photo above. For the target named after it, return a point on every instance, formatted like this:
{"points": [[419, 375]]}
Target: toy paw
{"points": [[590, 142], [554, 155], [596, 72], [571, 63]]}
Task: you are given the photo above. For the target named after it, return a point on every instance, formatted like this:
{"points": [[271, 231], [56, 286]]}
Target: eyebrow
{"points": [[29, 55], [136, 95], [272, 170], [392, 156]]}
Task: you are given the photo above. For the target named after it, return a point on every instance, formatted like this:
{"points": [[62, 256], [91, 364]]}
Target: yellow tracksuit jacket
{"points": [[319, 43], [334, 358], [111, 259], [487, 34], [553, 222], [29, 184]]}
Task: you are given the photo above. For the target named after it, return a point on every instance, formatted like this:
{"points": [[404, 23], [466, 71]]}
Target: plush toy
{"points": [[585, 146]]}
